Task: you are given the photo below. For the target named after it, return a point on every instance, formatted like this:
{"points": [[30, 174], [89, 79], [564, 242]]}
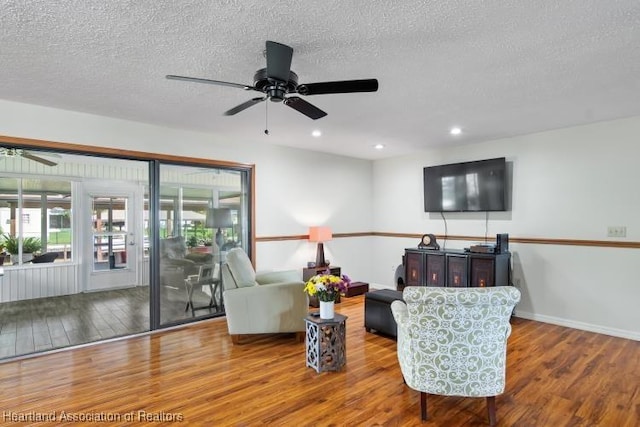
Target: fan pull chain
{"points": [[266, 117]]}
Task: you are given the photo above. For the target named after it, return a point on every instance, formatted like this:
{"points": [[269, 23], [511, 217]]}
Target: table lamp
{"points": [[219, 218], [320, 235]]}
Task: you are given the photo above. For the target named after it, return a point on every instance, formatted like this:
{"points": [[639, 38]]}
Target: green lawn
{"points": [[59, 237]]}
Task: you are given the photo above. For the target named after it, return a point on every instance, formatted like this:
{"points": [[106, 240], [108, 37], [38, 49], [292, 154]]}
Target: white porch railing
{"points": [[48, 280]]}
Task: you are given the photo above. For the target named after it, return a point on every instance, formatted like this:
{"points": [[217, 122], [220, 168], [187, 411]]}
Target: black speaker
{"points": [[502, 243]]}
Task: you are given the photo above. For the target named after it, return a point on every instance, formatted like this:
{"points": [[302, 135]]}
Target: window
{"points": [[59, 218], [43, 207]]}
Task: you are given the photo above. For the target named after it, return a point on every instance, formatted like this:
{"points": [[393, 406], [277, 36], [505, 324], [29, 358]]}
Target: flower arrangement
{"points": [[326, 286]]}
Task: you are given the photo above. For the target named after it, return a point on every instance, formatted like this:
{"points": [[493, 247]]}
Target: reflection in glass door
{"points": [[202, 215]]}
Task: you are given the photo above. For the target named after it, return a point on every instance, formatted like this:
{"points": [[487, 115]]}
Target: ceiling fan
{"points": [[277, 82], [13, 152]]}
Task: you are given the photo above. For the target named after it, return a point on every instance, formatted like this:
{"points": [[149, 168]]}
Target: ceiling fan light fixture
{"points": [[275, 95], [10, 152], [278, 83], [19, 152], [316, 133]]}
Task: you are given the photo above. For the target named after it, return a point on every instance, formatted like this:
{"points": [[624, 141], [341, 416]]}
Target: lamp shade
{"points": [[320, 234], [219, 218]]}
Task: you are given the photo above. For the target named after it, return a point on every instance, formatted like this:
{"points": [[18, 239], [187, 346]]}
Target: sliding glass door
{"points": [[94, 247], [203, 214], [70, 272]]}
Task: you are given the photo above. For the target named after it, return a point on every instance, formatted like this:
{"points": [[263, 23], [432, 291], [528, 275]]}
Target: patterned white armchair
{"points": [[453, 341], [262, 303]]}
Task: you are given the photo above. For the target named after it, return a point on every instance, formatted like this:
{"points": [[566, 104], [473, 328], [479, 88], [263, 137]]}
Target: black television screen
{"points": [[465, 187]]}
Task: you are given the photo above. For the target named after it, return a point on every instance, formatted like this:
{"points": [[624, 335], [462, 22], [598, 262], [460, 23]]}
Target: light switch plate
{"points": [[616, 231]]}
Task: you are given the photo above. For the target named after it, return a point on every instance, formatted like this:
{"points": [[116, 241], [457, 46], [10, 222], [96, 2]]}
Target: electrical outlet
{"points": [[616, 231]]}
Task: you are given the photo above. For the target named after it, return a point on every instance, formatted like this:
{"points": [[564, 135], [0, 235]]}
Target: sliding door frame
{"points": [[154, 160]]}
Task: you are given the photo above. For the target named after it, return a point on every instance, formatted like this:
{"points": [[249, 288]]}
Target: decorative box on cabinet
{"points": [[455, 268]]}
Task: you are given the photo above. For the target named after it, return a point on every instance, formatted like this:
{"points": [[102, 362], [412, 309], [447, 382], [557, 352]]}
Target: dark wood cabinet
{"points": [[455, 268], [308, 273]]}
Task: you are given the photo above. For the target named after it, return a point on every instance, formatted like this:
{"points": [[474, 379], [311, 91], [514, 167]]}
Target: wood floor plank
{"points": [[555, 376]]}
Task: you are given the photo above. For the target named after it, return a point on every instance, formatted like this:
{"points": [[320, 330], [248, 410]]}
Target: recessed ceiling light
{"points": [[316, 133], [378, 146], [455, 131]]}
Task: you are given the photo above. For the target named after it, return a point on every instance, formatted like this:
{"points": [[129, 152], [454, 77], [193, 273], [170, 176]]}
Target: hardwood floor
{"points": [[555, 377]]}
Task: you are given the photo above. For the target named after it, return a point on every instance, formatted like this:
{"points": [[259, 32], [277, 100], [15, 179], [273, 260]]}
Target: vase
{"points": [[326, 309]]}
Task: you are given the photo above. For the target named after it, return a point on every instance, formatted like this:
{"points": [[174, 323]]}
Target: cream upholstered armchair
{"points": [[453, 341], [263, 303]]}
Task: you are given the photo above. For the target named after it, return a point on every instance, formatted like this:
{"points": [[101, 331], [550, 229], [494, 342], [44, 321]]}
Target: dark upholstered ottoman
{"points": [[377, 311]]}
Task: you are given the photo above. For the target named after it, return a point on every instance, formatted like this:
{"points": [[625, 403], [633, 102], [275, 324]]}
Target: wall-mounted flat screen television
{"points": [[477, 186]]}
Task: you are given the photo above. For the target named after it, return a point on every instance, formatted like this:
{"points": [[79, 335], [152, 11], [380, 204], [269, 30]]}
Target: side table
{"points": [[326, 342]]}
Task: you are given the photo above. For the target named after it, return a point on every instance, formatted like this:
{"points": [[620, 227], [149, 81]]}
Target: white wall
{"points": [[567, 184], [570, 183], [294, 188]]}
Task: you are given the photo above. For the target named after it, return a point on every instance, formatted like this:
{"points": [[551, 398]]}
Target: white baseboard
{"points": [[621, 333], [379, 286]]}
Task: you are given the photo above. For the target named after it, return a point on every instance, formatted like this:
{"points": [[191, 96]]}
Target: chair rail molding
{"points": [[525, 240]]}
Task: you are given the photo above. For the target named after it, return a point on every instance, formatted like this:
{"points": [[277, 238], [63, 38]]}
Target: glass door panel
{"points": [[109, 222], [201, 218], [111, 245]]}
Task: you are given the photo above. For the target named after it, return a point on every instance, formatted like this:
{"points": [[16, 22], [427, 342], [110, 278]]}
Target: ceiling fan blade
{"points": [[345, 86], [243, 106], [31, 156], [278, 61], [211, 82], [304, 107]]}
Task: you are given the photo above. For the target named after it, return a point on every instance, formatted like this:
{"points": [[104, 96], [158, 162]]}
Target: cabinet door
{"points": [[482, 271], [435, 270], [414, 264], [456, 271]]}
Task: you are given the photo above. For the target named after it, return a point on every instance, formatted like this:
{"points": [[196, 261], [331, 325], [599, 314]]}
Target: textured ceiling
{"points": [[494, 68]]}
